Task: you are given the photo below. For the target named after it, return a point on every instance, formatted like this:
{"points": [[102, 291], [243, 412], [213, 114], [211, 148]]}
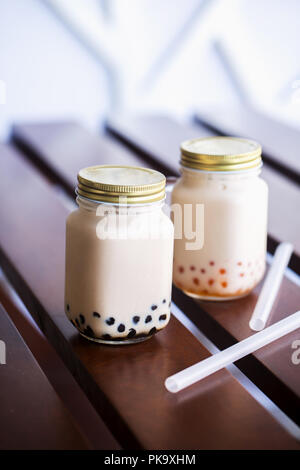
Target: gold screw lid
{"points": [[221, 154], [110, 183]]}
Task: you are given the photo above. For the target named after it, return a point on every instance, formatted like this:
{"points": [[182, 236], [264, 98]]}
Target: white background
{"points": [[81, 59]]}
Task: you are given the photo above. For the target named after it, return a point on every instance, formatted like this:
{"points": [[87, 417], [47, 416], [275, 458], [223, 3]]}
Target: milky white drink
{"points": [[119, 255], [222, 175]]}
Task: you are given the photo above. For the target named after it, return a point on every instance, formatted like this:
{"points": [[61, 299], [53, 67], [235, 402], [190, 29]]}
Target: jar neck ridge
{"points": [[92, 206], [200, 175]]}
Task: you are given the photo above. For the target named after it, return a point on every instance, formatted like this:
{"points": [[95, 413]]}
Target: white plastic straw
{"points": [[199, 371], [271, 286]]}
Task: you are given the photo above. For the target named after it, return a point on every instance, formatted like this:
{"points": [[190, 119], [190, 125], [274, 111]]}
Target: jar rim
{"points": [[112, 183], [221, 153]]}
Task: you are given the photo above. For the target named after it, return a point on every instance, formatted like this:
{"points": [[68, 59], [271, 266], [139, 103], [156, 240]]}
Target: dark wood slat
{"points": [[64, 384], [31, 414], [124, 384], [280, 141], [227, 322], [57, 145]]}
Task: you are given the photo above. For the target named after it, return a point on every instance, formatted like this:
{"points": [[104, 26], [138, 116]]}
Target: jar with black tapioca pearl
{"points": [[119, 255], [228, 203]]}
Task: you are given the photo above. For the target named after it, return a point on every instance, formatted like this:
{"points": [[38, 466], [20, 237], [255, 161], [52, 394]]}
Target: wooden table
{"points": [[112, 397]]}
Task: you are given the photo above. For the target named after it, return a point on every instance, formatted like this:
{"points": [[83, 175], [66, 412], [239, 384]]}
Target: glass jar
{"points": [[119, 253], [224, 202]]}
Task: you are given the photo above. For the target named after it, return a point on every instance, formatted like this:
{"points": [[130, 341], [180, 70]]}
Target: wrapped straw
{"points": [[271, 286], [218, 361]]}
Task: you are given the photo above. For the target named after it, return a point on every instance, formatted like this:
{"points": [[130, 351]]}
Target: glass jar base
{"points": [[216, 298], [116, 342]]}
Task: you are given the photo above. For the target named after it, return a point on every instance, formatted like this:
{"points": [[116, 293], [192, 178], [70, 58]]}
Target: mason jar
{"points": [[119, 255], [221, 233]]}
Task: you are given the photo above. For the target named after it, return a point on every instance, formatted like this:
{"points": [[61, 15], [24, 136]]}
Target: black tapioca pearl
{"points": [[88, 331], [68, 307], [148, 319], [82, 319], [110, 321], [131, 333], [96, 315], [136, 319], [107, 336], [153, 307], [152, 331], [141, 335], [77, 322], [162, 317], [164, 301], [121, 328]]}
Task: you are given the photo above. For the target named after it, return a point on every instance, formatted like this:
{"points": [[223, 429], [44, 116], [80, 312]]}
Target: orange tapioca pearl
{"points": [[242, 274], [181, 269], [212, 263], [196, 281], [203, 271], [192, 268], [224, 284], [211, 281], [222, 271], [239, 263]]}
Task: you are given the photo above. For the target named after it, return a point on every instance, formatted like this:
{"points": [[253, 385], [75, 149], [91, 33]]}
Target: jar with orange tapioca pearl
{"points": [[221, 176]]}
